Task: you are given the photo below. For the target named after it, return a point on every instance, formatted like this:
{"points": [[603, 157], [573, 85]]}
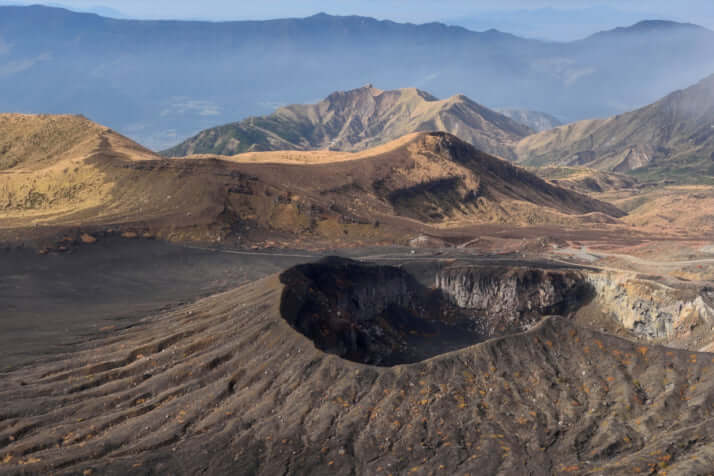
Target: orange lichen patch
{"points": [[642, 350], [87, 239]]}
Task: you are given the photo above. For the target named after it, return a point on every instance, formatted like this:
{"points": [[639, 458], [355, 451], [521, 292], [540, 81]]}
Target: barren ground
{"points": [[225, 385]]}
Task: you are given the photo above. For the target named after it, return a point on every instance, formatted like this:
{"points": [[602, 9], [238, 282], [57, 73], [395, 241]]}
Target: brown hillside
{"points": [[105, 181], [671, 139]]}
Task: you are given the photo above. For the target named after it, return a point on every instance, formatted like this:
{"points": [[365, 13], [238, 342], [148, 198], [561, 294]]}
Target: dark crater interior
{"points": [[383, 315]]}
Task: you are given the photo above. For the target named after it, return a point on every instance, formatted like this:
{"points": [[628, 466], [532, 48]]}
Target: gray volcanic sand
{"points": [[48, 303]]}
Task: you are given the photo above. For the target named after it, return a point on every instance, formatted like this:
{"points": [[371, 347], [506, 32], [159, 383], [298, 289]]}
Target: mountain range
{"points": [[162, 81], [672, 139], [359, 119]]}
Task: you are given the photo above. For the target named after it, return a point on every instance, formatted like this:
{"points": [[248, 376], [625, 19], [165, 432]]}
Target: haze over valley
{"points": [[162, 82]]}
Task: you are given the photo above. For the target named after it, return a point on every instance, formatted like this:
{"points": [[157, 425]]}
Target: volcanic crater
{"points": [[383, 315]]}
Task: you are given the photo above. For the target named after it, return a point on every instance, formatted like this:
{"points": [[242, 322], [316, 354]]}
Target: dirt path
{"points": [[586, 254]]}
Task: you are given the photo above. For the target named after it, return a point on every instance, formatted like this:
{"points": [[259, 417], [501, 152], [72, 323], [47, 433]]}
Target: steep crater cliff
{"points": [[680, 317], [383, 315], [513, 299]]}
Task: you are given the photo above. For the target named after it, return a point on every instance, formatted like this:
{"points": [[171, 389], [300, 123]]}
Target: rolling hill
{"points": [[359, 119], [65, 172], [672, 139]]}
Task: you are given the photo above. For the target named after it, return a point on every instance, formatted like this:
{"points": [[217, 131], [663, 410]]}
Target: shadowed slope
{"points": [[430, 177]]}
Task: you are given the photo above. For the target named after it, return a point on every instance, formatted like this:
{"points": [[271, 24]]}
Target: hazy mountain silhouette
{"points": [[162, 81]]}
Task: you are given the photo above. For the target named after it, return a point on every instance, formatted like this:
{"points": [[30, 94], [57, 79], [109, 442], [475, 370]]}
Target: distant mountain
{"points": [[554, 24], [162, 81], [670, 139], [650, 26], [359, 119], [537, 121]]}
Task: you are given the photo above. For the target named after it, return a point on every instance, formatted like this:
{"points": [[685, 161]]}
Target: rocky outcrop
{"points": [[513, 299], [650, 309]]}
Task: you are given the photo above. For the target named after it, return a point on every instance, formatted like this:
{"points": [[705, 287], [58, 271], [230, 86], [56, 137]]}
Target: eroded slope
{"points": [[226, 385]]}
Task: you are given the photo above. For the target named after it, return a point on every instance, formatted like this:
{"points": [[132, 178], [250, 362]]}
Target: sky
{"points": [[571, 18]]}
